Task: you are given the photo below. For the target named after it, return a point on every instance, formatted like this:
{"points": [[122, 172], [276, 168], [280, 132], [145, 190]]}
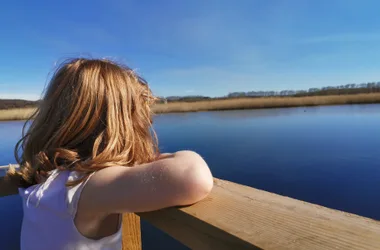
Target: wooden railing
{"points": [[234, 216]]}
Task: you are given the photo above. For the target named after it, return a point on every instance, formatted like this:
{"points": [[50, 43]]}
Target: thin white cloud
{"points": [[206, 80], [342, 38], [22, 96], [80, 31], [211, 81]]}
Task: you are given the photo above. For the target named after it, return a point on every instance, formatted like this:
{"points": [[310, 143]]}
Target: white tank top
{"points": [[49, 212]]}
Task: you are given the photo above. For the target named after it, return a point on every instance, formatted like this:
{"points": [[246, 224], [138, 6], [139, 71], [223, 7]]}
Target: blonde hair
{"points": [[95, 114]]}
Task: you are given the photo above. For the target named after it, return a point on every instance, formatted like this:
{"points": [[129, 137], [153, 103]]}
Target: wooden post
{"points": [[131, 232]]}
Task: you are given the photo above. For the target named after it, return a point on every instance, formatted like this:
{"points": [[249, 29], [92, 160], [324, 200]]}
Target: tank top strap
{"points": [[74, 192], [47, 195]]}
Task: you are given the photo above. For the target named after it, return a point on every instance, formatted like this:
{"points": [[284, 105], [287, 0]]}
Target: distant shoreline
{"points": [[231, 104]]}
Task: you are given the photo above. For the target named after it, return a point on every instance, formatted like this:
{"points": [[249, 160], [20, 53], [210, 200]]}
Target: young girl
{"points": [[90, 155]]}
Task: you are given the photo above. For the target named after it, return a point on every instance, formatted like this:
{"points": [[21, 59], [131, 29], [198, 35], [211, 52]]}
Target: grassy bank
{"points": [[15, 114], [233, 104], [266, 102]]}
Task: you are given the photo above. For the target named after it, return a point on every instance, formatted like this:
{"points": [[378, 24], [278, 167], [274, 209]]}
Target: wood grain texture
{"points": [[131, 232], [240, 217]]}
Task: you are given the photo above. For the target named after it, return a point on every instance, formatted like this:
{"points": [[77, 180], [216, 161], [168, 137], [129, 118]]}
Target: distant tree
{"points": [[350, 88], [11, 104]]}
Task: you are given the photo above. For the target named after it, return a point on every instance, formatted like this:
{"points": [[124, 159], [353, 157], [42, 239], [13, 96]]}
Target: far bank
{"points": [[231, 104]]}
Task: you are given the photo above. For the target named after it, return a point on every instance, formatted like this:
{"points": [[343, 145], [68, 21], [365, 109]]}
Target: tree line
{"points": [[371, 87], [13, 103], [348, 89]]}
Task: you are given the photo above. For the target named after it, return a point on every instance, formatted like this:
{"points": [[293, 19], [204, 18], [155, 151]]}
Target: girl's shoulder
{"points": [[54, 193]]}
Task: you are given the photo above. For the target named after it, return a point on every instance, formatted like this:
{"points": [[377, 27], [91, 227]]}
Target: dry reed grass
{"points": [[231, 104], [16, 114], [266, 102]]}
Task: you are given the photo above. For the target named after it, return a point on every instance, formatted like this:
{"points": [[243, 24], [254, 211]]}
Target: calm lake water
{"points": [[324, 155]]}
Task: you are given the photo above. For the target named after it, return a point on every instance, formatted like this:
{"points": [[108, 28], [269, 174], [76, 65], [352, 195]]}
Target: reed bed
{"points": [[16, 114], [232, 104], [266, 102]]}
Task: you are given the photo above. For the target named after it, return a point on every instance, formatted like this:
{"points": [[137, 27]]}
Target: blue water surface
{"points": [[324, 155]]}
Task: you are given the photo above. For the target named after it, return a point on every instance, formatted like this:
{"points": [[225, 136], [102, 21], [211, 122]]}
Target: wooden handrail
{"points": [[6, 188], [234, 216]]}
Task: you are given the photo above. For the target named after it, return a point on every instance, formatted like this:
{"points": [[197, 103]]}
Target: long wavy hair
{"points": [[95, 114]]}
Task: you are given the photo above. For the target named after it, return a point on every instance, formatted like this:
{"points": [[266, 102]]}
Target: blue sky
{"points": [[194, 47]]}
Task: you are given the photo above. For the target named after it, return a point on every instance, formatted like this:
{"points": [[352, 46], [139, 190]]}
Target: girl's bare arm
{"points": [[181, 178]]}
